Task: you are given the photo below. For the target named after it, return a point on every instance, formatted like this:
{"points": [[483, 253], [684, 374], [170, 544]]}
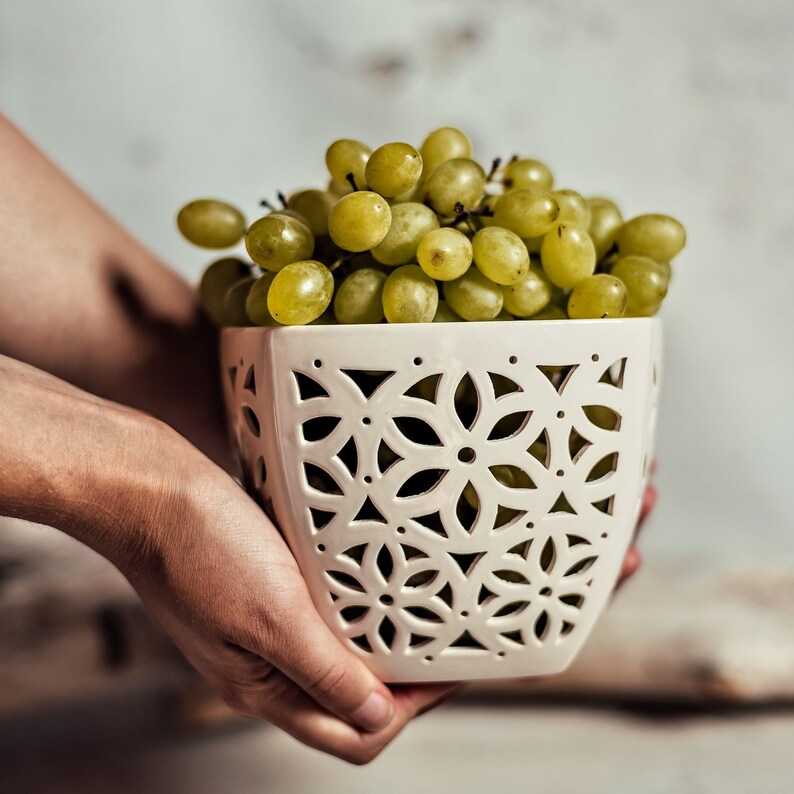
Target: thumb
{"points": [[308, 653]]}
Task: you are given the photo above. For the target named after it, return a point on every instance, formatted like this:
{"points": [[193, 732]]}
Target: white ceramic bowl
{"points": [[360, 441]]}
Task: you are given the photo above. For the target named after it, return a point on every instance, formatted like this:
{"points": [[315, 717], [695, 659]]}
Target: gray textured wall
{"points": [[683, 107]]}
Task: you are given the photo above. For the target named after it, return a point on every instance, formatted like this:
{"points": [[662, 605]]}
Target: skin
{"points": [[111, 430]]}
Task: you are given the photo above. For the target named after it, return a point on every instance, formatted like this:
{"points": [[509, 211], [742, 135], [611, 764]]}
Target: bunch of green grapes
{"points": [[406, 235]]}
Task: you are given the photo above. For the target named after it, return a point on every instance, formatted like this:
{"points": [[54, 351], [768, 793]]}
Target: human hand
{"points": [[633, 560]]}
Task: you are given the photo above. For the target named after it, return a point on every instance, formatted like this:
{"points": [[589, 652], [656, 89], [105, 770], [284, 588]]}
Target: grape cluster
{"points": [[415, 236]]}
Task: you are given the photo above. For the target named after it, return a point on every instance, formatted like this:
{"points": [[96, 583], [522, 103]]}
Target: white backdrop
{"points": [[681, 107]]}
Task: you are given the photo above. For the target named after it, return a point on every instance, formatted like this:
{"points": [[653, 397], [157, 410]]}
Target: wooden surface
{"points": [[71, 628]]}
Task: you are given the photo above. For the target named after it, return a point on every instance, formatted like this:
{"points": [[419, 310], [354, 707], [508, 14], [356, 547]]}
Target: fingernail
{"points": [[376, 713]]}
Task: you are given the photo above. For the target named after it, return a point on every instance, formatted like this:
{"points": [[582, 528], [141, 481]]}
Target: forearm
{"points": [[80, 298]]}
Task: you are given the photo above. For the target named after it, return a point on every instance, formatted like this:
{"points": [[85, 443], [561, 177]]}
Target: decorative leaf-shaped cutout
{"points": [[466, 562], [614, 373], [423, 613], [604, 467], [466, 640], [605, 505], [417, 430], [513, 636], [346, 580], [369, 512], [507, 517], [321, 480], [511, 609], [387, 630], [467, 401], [602, 417], [421, 482], [425, 389], [577, 540], [250, 381], [349, 456], [353, 614], [251, 420], [418, 640], [548, 556], [572, 600], [580, 567], [541, 627], [577, 444], [233, 377], [421, 579], [521, 549], [558, 375], [566, 629], [503, 385], [539, 448], [411, 552], [320, 518], [513, 577], [319, 427], [466, 514], [367, 381], [385, 562], [509, 426], [308, 388], [445, 594]]}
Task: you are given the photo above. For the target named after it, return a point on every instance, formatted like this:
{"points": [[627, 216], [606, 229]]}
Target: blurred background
{"points": [[679, 107]]}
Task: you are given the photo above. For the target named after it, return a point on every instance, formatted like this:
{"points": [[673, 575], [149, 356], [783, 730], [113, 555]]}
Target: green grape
{"points": [[658, 236], [256, 302], [528, 296], [598, 296], [445, 143], [645, 282], [345, 157], [359, 221], [233, 307], [444, 254], [526, 173], [300, 292], [605, 222], [500, 255], [339, 189], [473, 296], [410, 296], [215, 282], [528, 212], [393, 169], [573, 207], [503, 316], [666, 270], [504, 475], [551, 312], [601, 416], [456, 185], [409, 224], [445, 315], [314, 206], [359, 298], [210, 223], [277, 240], [413, 195], [288, 213], [567, 254]]}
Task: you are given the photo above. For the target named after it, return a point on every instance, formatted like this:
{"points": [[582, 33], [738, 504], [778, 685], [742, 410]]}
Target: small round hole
{"points": [[401, 530], [386, 599], [594, 357], [464, 614], [560, 414], [560, 472], [428, 658], [604, 535], [466, 455], [500, 655], [320, 547], [366, 421], [318, 363], [417, 361], [531, 525], [513, 360], [368, 479], [546, 591]]}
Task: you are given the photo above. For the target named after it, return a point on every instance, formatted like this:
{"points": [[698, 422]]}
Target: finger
{"points": [[306, 651], [649, 499], [283, 703], [631, 562]]}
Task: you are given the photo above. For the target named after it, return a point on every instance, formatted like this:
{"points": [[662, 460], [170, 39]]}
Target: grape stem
{"points": [[282, 198], [350, 178], [267, 205], [495, 163], [344, 259]]}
